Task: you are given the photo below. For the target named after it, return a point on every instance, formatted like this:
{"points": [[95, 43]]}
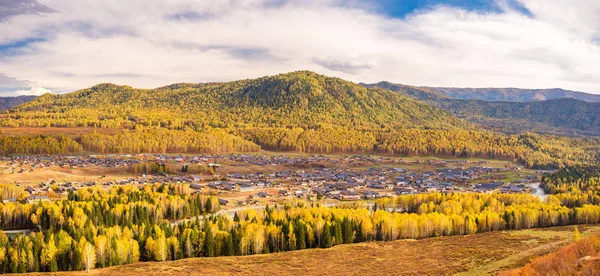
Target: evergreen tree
{"points": [[209, 241], [326, 238]]}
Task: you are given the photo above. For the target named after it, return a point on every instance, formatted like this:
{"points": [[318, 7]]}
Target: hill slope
{"points": [[299, 111], [478, 254], [514, 94], [10, 102], [298, 99], [557, 116], [562, 116]]}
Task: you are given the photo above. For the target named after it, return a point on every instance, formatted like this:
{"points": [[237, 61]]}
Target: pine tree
{"points": [[300, 236], [347, 231], [208, 205], [229, 247], [338, 238], [326, 236], [209, 241]]}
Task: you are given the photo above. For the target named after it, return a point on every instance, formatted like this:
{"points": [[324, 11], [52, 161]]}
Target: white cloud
{"points": [[34, 91], [153, 43]]}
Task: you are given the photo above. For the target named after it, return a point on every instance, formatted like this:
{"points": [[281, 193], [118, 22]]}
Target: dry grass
{"points": [[478, 254], [65, 174]]}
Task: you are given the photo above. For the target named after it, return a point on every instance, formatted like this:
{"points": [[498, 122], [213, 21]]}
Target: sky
{"points": [[65, 45]]}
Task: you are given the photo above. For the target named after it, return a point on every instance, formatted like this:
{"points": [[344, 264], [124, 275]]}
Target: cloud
{"points": [[342, 65], [144, 43], [10, 8], [8, 82], [35, 91]]}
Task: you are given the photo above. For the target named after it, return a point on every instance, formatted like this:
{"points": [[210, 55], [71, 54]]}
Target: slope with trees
{"points": [[99, 228]]}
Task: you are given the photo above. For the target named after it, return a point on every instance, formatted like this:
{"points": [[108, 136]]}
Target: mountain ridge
{"points": [[514, 94], [300, 98], [299, 111], [10, 102]]}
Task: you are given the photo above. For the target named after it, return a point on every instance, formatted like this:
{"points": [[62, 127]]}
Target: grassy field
{"points": [[479, 254], [65, 174]]}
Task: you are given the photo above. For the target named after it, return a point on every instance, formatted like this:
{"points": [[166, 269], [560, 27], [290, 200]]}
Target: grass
{"points": [[479, 254]]}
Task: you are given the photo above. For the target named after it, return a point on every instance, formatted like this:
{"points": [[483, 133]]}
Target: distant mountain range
{"points": [[565, 113], [514, 94], [307, 99], [10, 102]]}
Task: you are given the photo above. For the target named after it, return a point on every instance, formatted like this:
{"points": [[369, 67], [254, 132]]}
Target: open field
{"points": [[65, 174], [479, 254]]}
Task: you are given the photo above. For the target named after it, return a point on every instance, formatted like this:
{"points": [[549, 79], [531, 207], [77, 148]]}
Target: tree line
{"points": [[97, 228], [532, 150]]}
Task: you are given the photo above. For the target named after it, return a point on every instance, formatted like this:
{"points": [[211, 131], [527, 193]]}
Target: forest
{"points": [[98, 228], [532, 150], [559, 115], [299, 111]]}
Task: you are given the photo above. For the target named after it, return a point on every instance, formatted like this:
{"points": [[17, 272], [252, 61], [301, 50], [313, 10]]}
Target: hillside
{"points": [[560, 116], [514, 94], [419, 93], [557, 116], [299, 99], [10, 102], [479, 254], [299, 111]]}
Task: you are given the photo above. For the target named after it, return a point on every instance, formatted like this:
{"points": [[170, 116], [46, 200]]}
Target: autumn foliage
{"points": [[579, 258]]}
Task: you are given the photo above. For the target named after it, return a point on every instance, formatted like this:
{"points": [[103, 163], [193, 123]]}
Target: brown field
{"points": [[71, 131], [479, 254], [65, 174]]}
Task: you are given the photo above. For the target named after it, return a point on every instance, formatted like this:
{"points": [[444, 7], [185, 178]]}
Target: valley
{"points": [[295, 169]]}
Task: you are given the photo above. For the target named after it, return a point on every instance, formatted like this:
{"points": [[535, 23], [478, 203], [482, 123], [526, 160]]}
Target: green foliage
{"points": [[299, 111], [557, 116], [299, 99], [98, 228]]}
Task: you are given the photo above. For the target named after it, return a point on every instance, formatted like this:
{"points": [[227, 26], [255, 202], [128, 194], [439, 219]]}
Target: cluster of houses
{"points": [[335, 181], [352, 184], [20, 164], [28, 163]]}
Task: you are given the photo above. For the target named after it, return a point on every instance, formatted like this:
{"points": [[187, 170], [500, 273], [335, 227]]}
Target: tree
{"points": [[576, 234], [326, 239], [209, 241], [88, 255]]}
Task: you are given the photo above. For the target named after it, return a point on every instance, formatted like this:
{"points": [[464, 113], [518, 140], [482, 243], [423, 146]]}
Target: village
{"points": [[249, 179]]}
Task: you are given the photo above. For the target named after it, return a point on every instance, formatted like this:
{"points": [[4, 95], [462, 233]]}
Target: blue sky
{"points": [[401, 8], [63, 45]]}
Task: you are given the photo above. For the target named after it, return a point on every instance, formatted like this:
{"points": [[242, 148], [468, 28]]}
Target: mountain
{"points": [[298, 111], [513, 94], [10, 102], [557, 116], [299, 99], [419, 93], [561, 116]]}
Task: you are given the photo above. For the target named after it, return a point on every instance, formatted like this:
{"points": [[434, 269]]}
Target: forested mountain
{"points": [[419, 93], [514, 94], [299, 111], [10, 102], [298, 99], [557, 116], [562, 116]]}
